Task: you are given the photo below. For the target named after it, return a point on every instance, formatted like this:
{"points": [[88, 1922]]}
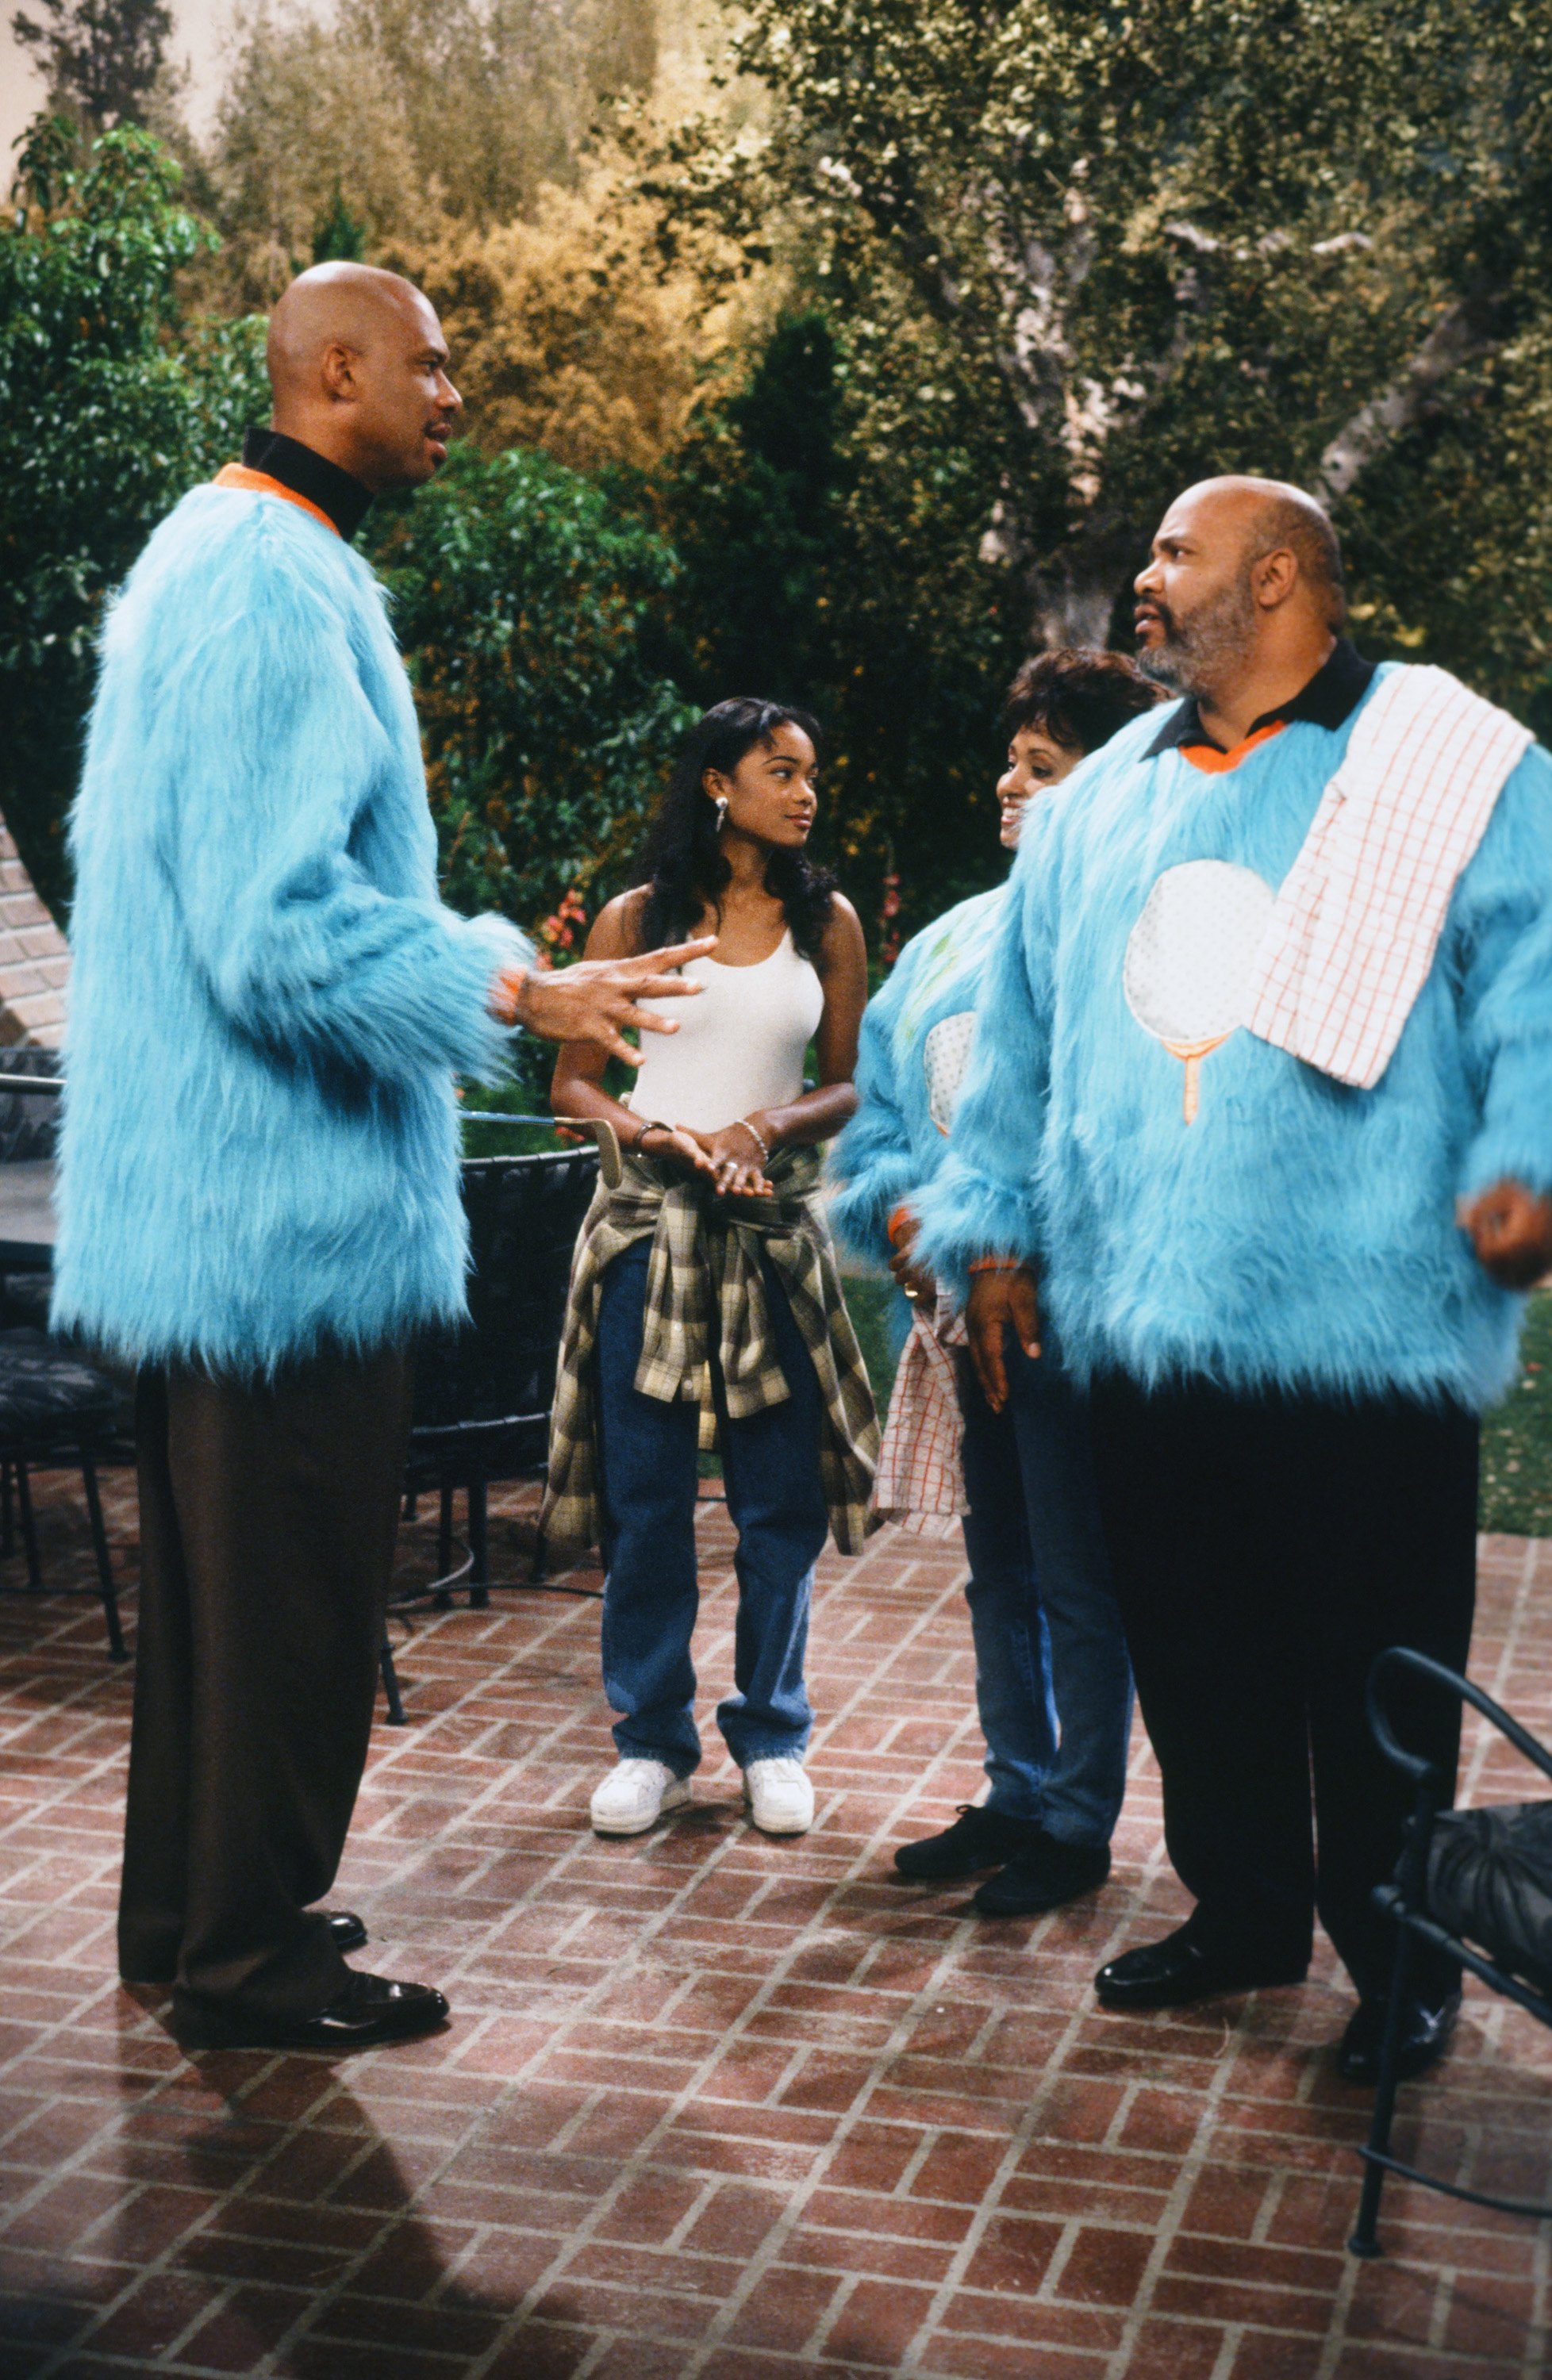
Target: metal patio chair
{"points": [[483, 1392], [1411, 1900], [56, 1413]]}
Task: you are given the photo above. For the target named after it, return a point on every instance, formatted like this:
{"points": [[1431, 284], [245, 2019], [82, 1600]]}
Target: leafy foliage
{"points": [[567, 331], [102, 57], [109, 408], [1098, 252], [798, 583], [524, 599], [403, 113]]}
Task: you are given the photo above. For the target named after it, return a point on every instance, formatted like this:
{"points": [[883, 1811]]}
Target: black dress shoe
{"points": [[369, 2012], [1425, 2038], [977, 1838], [1180, 1969], [1043, 1876]]}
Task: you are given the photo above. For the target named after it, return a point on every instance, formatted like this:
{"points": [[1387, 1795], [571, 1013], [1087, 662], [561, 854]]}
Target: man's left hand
{"points": [[1510, 1229]]}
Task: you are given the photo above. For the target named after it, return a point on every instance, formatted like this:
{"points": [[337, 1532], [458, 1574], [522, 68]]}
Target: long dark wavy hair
{"points": [[685, 872]]}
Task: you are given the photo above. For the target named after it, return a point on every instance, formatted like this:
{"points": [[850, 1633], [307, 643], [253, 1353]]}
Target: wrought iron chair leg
{"points": [[479, 1572], [540, 1555], [444, 1602], [28, 1526], [116, 1648], [7, 1511], [1363, 2241], [391, 1684]]}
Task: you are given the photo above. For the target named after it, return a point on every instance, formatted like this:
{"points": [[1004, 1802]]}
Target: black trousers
{"points": [[1265, 1550], [268, 1515]]}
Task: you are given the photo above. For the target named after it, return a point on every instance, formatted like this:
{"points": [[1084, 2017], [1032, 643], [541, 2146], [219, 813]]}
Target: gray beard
{"points": [[1209, 650]]}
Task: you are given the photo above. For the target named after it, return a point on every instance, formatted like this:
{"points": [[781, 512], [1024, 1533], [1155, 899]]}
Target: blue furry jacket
{"points": [[917, 1034], [1297, 1233], [267, 999]]}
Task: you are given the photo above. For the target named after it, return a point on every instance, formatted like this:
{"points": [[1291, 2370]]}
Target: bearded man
{"points": [[259, 1187], [1259, 1121]]}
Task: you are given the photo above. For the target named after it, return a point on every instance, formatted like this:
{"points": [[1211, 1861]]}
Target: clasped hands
{"points": [[1509, 1228], [731, 1156]]}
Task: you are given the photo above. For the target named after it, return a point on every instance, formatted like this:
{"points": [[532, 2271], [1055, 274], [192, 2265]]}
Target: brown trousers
{"points": [[268, 1513]]}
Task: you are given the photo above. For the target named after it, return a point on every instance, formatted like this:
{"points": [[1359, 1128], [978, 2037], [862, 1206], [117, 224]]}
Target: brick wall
{"points": [[34, 958]]}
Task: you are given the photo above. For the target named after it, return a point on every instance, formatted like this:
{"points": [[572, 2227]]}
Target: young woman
{"points": [[1052, 1683], [705, 1282]]}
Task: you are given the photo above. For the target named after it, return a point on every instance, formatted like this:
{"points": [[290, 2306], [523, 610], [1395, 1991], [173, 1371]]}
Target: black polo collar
{"points": [[309, 474], [1329, 699]]}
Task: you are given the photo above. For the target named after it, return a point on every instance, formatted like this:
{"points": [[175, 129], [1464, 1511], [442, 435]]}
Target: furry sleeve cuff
{"points": [[860, 1208], [966, 1215]]}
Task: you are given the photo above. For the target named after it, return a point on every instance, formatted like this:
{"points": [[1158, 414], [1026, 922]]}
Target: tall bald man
{"points": [[259, 1193], [1260, 1125]]}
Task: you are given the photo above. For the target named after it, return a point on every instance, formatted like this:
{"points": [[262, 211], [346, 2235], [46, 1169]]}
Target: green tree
{"points": [[404, 114], [109, 408], [103, 58], [1104, 250], [523, 596], [797, 582]]}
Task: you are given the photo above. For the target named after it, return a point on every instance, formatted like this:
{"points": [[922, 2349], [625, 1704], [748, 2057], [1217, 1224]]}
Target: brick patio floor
{"points": [[712, 2107]]}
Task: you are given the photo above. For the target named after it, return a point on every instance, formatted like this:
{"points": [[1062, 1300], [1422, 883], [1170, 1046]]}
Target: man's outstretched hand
{"points": [[1510, 1229], [596, 1000], [1000, 1301]]}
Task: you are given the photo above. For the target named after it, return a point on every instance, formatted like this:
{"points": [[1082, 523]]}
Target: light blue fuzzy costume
{"points": [[268, 998], [893, 1147], [1053, 1687], [1298, 1233]]}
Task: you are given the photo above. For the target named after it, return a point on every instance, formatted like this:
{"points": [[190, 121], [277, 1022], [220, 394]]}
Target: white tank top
{"points": [[740, 1044]]}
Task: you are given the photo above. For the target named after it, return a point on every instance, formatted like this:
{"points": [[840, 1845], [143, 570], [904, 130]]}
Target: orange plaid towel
{"points": [[1353, 931], [920, 1479]]}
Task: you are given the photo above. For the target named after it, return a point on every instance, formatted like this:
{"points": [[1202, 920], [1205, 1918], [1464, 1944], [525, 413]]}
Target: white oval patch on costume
{"points": [[1191, 955], [945, 1055]]}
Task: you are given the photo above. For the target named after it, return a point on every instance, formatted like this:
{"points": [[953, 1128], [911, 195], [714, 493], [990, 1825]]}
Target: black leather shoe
{"points": [[367, 2013], [1043, 1876], [1180, 1969], [977, 1838], [1425, 2038]]}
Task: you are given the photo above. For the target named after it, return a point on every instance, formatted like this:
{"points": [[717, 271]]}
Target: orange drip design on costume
{"points": [[1214, 763], [258, 483]]}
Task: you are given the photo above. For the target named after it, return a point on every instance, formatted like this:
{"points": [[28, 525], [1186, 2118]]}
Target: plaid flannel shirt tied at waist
{"points": [[707, 1303]]}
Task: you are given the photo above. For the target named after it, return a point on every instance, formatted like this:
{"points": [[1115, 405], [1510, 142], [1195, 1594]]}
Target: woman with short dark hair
{"points": [[704, 1285], [1052, 1683]]}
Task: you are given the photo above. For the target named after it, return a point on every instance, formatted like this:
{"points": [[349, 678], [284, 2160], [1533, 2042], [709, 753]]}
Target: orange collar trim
{"points": [[1214, 763], [258, 483]]}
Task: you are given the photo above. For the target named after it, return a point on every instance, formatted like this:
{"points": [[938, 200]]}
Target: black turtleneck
{"points": [[312, 475]]}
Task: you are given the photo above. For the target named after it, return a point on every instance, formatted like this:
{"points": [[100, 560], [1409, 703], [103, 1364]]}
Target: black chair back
{"points": [[29, 1119], [487, 1387]]}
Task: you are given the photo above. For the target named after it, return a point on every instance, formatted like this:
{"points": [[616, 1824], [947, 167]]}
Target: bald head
{"points": [[1266, 514], [357, 367]]}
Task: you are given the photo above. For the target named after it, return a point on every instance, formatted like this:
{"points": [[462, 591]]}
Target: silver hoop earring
{"points": [[721, 813]]}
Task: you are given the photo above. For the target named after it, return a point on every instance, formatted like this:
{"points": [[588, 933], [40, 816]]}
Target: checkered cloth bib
{"points": [[920, 1478], [1353, 930]]}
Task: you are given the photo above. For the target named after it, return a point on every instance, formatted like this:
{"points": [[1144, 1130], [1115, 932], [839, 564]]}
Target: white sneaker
{"points": [[780, 1796], [635, 1795]]}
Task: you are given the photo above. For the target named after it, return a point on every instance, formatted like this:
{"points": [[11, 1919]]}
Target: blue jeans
{"points": [[1053, 1686], [649, 1461]]}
